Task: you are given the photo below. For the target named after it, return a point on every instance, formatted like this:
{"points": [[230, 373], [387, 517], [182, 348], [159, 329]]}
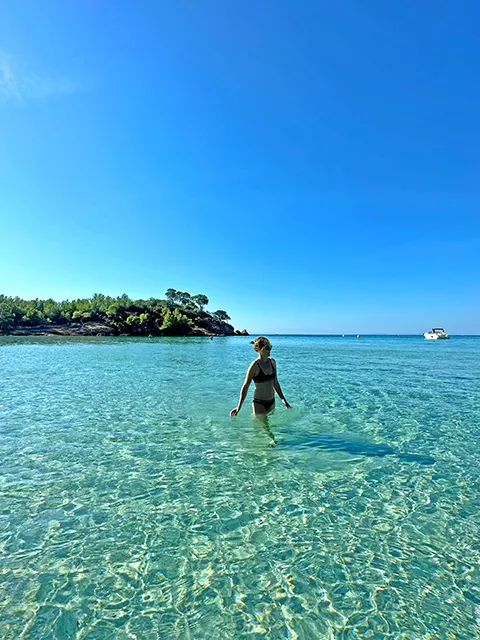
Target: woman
{"points": [[263, 372]]}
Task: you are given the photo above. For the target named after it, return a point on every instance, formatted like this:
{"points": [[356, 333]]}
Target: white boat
{"points": [[436, 334]]}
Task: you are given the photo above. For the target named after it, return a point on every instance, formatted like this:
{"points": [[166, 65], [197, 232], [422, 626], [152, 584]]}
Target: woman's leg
{"points": [[258, 410], [260, 414]]}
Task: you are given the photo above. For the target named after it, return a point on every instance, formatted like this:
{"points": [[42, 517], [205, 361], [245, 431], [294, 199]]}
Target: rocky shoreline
{"points": [[208, 327], [179, 314]]}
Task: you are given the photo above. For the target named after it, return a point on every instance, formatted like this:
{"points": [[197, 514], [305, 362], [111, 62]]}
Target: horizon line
{"points": [[355, 334]]}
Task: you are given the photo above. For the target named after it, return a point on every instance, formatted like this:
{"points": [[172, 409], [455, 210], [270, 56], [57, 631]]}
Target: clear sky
{"points": [[311, 166]]}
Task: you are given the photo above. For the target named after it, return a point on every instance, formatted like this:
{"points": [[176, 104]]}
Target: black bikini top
{"points": [[264, 377]]}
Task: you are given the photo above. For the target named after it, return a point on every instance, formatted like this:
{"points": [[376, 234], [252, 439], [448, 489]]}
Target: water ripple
{"points": [[133, 507]]}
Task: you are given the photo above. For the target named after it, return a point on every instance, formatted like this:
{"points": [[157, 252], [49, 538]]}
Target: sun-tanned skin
{"points": [[264, 394]]}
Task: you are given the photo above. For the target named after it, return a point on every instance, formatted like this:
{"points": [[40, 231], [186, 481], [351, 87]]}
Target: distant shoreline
{"points": [[102, 329], [99, 330], [178, 314]]}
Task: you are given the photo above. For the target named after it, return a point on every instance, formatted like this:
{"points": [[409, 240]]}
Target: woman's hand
{"points": [[286, 405], [234, 412]]}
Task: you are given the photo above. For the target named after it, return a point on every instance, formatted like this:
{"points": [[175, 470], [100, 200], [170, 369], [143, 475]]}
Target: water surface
{"points": [[132, 506]]}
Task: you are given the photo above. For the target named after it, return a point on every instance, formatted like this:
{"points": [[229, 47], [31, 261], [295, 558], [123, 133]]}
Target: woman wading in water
{"points": [[263, 372]]}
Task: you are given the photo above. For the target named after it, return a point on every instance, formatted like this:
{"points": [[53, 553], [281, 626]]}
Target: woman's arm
{"points": [[244, 390], [278, 388]]}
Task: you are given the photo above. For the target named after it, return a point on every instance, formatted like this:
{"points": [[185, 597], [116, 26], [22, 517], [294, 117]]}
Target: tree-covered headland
{"points": [[179, 313]]}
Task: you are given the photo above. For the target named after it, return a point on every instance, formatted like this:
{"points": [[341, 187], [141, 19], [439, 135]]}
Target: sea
{"points": [[133, 507]]}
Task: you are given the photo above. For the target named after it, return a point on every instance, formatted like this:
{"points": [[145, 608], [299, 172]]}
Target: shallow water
{"points": [[132, 506]]}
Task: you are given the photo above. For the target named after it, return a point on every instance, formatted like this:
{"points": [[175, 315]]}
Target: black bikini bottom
{"points": [[267, 404]]}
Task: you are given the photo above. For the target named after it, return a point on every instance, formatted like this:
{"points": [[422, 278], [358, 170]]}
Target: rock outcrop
{"points": [[206, 325]]}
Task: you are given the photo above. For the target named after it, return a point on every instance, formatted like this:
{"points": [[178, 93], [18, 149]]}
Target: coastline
{"points": [[207, 329], [179, 314]]}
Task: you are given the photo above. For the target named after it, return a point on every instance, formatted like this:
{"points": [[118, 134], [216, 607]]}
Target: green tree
{"points": [[33, 316], [53, 311], [221, 315], [171, 296], [156, 305], [200, 300], [112, 310], [134, 323], [67, 309], [124, 300], [7, 317], [183, 297], [174, 320]]}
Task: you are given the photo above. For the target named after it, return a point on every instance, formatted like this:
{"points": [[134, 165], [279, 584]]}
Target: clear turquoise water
{"points": [[132, 506]]}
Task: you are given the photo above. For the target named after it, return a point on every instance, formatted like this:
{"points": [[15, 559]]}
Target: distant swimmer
{"points": [[263, 372], [211, 337]]}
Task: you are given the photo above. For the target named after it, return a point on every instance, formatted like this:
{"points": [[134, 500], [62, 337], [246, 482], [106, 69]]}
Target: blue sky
{"points": [[312, 167]]}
